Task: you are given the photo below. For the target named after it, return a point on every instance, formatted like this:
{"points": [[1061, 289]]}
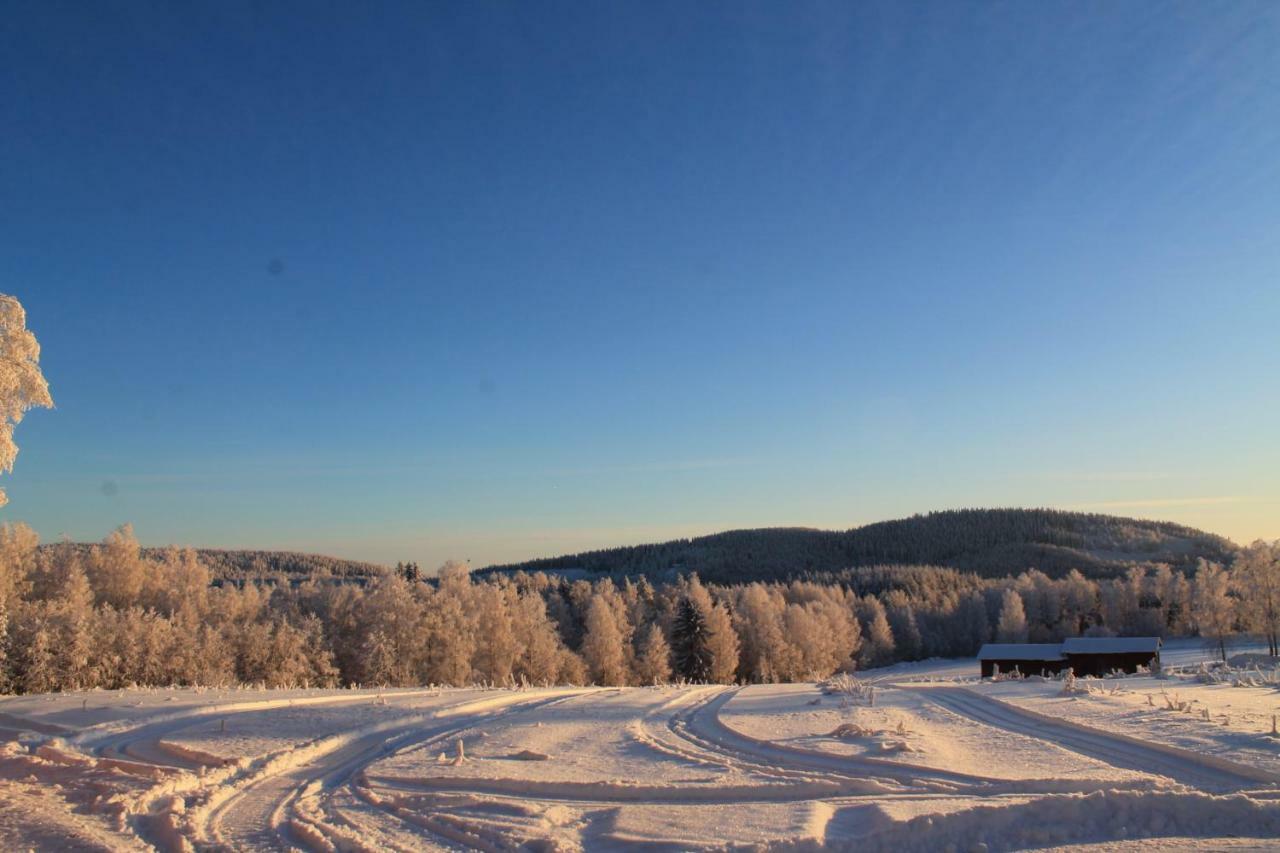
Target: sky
{"points": [[493, 281]]}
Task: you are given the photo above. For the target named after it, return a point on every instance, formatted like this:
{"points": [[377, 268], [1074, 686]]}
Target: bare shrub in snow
{"points": [[850, 689]]}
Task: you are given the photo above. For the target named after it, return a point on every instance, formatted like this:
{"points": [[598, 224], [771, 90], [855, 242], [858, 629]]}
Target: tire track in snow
{"points": [[653, 731], [1188, 768], [139, 737], [702, 725], [255, 815], [396, 822]]}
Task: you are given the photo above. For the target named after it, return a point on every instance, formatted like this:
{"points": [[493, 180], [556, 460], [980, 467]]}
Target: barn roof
{"points": [[1020, 651], [1110, 645]]}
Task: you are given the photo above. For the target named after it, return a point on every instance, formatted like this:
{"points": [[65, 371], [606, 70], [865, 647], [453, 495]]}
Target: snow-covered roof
{"points": [[1020, 651], [1110, 645]]}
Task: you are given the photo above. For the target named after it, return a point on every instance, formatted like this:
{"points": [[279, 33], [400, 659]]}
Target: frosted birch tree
{"points": [[653, 666], [1012, 627], [22, 385], [1212, 607], [1256, 573], [602, 646]]}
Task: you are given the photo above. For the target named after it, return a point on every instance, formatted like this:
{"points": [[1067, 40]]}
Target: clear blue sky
{"points": [[494, 281]]}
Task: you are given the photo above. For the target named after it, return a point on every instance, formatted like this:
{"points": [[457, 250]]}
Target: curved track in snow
{"points": [[1182, 766], [702, 725], [260, 816], [622, 762]]}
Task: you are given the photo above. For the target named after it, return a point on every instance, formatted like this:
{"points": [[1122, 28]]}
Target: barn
{"points": [[1026, 658], [1098, 656]]}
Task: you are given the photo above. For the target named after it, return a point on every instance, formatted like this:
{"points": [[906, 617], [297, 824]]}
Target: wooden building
{"points": [[1026, 658], [1098, 656], [1095, 656]]}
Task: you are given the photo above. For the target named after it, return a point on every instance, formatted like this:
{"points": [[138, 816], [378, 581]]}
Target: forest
{"points": [[238, 566], [114, 615], [989, 542]]}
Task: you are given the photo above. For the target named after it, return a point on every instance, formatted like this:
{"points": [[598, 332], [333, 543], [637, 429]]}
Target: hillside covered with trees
{"points": [[987, 542], [239, 566], [111, 615]]}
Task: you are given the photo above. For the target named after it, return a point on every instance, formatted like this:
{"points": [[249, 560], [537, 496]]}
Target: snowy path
{"points": [[686, 767], [259, 816], [703, 725], [1179, 765]]}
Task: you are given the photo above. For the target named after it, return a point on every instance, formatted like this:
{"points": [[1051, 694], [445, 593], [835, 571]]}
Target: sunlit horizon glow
{"points": [[494, 284]]}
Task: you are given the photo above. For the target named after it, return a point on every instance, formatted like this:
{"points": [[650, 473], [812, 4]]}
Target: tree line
{"points": [[989, 542], [114, 615]]}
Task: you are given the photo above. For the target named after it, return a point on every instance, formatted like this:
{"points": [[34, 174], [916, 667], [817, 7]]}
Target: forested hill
{"points": [[990, 542], [249, 564], [243, 565]]}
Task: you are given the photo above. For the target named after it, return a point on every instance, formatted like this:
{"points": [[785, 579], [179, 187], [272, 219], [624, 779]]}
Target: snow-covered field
{"points": [[936, 760]]}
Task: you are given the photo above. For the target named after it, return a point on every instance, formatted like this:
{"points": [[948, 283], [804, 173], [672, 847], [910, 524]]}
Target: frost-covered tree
{"points": [[616, 601], [79, 617], [901, 610], [602, 645], [1179, 610], [1256, 574], [540, 648], [1113, 607], [6, 665], [1079, 602], [653, 663], [878, 644], [18, 562], [974, 626], [766, 654], [496, 644], [72, 619], [1162, 588], [22, 385], [722, 644], [177, 581], [450, 635], [391, 632], [116, 569], [1012, 627], [379, 661], [1212, 606], [38, 667]]}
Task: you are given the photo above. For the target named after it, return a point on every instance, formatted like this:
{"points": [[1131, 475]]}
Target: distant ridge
{"points": [[237, 565], [989, 542]]}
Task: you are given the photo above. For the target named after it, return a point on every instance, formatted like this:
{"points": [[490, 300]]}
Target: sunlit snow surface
{"points": [[939, 761]]}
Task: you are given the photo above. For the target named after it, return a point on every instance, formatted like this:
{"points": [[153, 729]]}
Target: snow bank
{"points": [[1100, 816]]}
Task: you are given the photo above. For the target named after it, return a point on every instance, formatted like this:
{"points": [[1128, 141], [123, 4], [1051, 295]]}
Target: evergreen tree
{"points": [[691, 655]]}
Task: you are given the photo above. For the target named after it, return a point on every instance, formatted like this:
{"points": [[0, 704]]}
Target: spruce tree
{"points": [[690, 651]]}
